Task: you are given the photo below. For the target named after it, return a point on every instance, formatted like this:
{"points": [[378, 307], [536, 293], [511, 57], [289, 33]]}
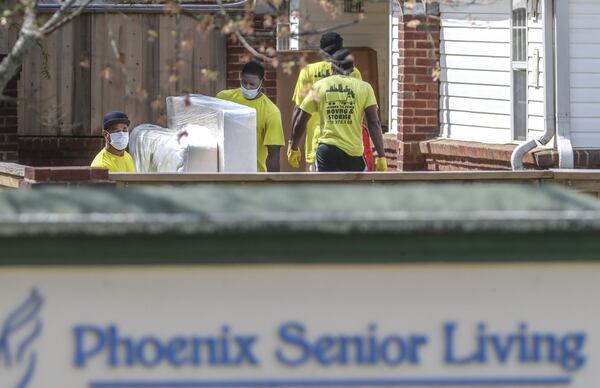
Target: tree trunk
{"points": [[12, 62]]}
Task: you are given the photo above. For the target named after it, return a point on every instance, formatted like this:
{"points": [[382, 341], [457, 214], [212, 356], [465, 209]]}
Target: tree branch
{"points": [[27, 38], [48, 29], [58, 15], [249, 47]]}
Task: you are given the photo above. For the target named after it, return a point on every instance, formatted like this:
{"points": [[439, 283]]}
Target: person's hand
{"points": [[294, 156], [381, 164]]}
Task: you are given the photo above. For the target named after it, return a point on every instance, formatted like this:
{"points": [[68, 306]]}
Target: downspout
{"points": [[516, 159], [563, 85]]}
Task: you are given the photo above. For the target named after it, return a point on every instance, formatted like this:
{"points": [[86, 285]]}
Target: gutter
{"points": [[516, 159], [563, 85], [148, 8], [557, 102]]}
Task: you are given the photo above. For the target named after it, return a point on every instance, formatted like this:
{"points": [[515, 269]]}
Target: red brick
{"points": [[426, 44], [433, 129], [413, 120], [234, 67], [413, 136], [414, 53], [405, 112], [37, 173], [415, 104], [433, 121], [407, 44], [430, 97], [426, 112], [425, 79], [428, 62], [70, 173], [417, 70], [99, 173]]}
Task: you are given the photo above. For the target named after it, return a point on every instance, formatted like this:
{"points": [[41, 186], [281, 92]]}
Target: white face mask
{"points": [[250, 94], [119, 140]]}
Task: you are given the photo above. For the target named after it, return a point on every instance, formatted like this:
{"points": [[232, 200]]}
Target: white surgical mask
{"points": [[119, 140], [250, 94]]}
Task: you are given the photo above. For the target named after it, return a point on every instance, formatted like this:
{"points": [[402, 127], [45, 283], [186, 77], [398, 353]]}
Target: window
{"points": [[288, 33], [519, 68], [354, 6]]}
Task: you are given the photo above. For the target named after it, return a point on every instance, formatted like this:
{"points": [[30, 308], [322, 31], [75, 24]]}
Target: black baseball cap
{"points": [[331, 42], [115, 117]]}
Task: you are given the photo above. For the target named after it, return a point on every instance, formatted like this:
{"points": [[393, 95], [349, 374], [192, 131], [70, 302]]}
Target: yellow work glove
{"points": [[381, 164], [294, 156]]}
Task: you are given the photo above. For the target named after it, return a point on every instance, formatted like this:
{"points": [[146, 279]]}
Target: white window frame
{"points": [[291, 42], [519, 66]]}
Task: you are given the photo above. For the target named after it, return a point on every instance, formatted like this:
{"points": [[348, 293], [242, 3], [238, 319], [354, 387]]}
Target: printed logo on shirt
{"points": [[322, 74], [340, 104]]}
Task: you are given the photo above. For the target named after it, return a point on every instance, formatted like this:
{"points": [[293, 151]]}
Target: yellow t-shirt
{"points": [[269, 130], [340, 102], [306, 79], [114, 163]]}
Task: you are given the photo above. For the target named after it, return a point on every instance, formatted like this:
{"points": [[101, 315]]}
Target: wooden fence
{"points": [[103, 62]]}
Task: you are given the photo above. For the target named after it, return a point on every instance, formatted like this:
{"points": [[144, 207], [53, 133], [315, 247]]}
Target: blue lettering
{"points": [[115, 343], [245, 347], [174, 349], [322, 347], [572, 348], [416, 342], [83, 352], [393, 357], [449, 354], [292, 333], [149, 351], [521, 346]]}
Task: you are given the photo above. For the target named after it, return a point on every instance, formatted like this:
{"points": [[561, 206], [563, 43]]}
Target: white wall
{"points": [[475, 91], [372, 31], [584, 58]]}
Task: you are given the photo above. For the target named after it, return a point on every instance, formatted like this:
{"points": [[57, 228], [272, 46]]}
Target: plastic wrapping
{"points": [[193, 148], [233, 125]]}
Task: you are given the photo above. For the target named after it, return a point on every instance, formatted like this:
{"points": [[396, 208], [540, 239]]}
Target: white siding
{"points": [[584, 61], [372, 31], [475, 92]]}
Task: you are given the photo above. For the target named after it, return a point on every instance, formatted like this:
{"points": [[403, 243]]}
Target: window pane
{"points": [[519, 34], [520, 104]]}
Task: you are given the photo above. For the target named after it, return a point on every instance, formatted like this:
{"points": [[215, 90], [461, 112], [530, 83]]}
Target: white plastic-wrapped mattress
{"points": [[232, 125], [193, 148]]}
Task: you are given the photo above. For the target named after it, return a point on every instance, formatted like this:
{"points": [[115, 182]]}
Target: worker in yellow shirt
{"points": [[116, 136], [331, 42], [341, 102], [269, 130]]}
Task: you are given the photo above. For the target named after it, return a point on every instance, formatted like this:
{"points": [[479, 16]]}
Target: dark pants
{"points": [[331, 158]]}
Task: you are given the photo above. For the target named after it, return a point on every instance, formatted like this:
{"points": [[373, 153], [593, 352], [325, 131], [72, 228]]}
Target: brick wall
{"points": [[9, 144], [36, 177], [417, 87], [58, 151], [264, 40]]}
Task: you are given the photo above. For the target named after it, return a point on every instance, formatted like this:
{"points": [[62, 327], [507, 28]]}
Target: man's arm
{"points": [[374, 126], [295, 114], [299, 128], [272, 161]]}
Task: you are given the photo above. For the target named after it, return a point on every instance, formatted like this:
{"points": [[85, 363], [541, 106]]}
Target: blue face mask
{"points": [[251, 94]]}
